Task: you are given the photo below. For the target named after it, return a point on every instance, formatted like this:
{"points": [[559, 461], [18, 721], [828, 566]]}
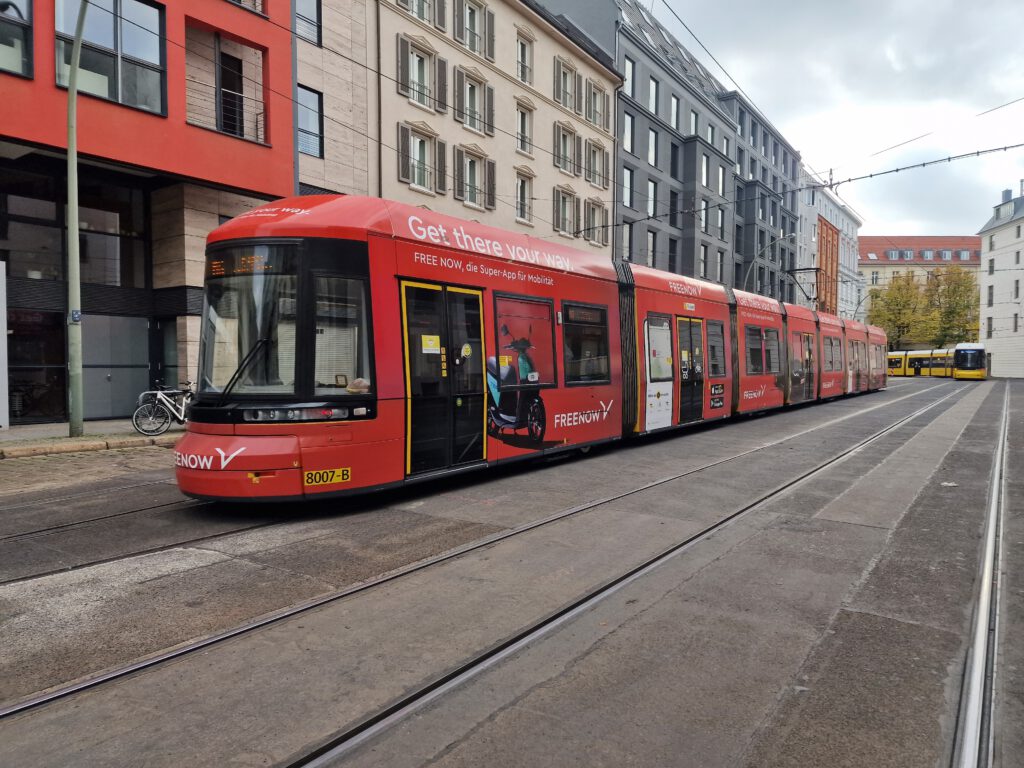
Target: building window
{"points": [[1015, 319], [595, 222], [566, 212], [725, 146], [991, 290], [703, 215], [652, 242], [721, 180], [524, 129], [595, 166], [307, 20], [705, 170], [721, 223], [597, 104], [629, 68], [524, 59], [652, 97], [991, 242], [16, 37], [311, 122], [965, 255], [565, 86], [472, 103], [1016, 289], [991, 266], [627, 240], [419, 77], [673, 253], [674, 109], [907, 255], [524, 194], [928, 255], [472, 26], [673, 208], [721, 266], [627, 187], [988, 327], [122, 52], [874, 278], [652, 146], [703, 261], [421, 161], [627, 132], [946, 255], [472, 180], [694, 122], [652, 196], [566, 147], [711, 134]]}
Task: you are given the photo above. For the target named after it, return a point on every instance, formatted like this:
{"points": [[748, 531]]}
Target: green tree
{"points": [[903, 311], [953, 293]]}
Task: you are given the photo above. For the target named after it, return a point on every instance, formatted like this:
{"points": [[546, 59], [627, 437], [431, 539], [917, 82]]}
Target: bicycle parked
{"points": [[157, 407]]}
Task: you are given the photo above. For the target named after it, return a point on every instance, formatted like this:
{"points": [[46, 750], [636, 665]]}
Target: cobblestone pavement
{"points": [[41, 473]]}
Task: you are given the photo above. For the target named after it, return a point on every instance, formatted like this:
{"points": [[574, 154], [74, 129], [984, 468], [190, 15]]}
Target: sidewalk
{"points": [[39, 439]]}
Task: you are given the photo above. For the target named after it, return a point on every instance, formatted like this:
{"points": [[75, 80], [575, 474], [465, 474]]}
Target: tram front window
{"points": [[969, 359], [247, 342]]}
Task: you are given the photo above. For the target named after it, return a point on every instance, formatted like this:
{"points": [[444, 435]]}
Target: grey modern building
{"points": [[676, 151]]}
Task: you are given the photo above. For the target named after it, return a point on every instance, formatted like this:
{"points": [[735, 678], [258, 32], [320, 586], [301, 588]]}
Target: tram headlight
{"points": [[323, 413]]}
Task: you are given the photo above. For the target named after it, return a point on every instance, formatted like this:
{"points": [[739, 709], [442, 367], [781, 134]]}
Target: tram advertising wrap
{"points": [[350, 344]]}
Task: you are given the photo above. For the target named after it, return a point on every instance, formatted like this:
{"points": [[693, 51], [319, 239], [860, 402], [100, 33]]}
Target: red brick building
{"points": [[828, 267]]}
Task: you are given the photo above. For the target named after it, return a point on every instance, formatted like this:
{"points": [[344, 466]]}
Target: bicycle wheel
{"points": [[151, 419]]}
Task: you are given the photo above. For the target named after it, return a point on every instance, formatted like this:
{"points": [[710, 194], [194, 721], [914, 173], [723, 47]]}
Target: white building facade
{"points": [[1000, 279]]}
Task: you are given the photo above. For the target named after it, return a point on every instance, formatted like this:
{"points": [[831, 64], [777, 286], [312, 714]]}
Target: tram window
{"points": [[659, 349], [342, 360], [829, 358], [525, 341], [716, 349], [771, 351], [755, 349], [585, 344], [837, 354]]}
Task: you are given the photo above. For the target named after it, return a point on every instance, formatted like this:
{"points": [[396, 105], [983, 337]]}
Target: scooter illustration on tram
{"points": [[514, 405]]}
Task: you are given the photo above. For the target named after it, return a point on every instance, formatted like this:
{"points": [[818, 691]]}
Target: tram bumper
{"points": [[238, 467]]}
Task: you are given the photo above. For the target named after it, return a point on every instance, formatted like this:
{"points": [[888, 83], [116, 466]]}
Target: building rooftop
{"points": [[1006, 212], [922, 250]]}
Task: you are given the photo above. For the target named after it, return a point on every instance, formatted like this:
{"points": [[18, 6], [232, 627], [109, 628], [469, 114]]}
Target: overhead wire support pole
{"points": [[74, 318]]}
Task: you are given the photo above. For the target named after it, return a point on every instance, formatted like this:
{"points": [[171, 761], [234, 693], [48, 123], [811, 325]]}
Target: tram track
{"points": [[278, 616], [974, 742]]}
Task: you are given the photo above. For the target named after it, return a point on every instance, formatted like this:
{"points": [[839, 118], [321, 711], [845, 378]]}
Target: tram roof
{"points": [[352, 217], [668, 282]]}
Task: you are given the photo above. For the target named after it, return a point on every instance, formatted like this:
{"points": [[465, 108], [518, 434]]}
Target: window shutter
{"points": [[460, 169], [578, 164], [489, 110], [604, 226], [440, 14], [490, 171], [440, 85], [440, 166], [590, 101], [460, 95], [403, 66], [556, 155], [607, 112], [458, 21], [576, 217], [557, 92], [588, 172], [554, 212], [605, 181], [578, 101], [404, 172], [489, 32]]}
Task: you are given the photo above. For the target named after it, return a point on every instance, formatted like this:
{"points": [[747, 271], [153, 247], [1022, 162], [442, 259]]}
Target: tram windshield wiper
{"points": [[249, 357]]}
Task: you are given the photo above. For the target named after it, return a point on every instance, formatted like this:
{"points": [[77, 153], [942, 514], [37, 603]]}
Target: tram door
{"points": [[444, 353], [690, 334]]}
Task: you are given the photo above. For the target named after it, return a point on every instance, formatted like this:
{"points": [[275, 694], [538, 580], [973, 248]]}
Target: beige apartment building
{"points": [[497, 112]]}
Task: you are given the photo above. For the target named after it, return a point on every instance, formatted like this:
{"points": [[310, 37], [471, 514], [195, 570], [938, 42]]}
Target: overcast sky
{"points": [[845, 80]]}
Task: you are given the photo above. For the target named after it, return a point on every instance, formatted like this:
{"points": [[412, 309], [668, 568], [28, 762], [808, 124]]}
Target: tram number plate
{"points": [[327, 476]]}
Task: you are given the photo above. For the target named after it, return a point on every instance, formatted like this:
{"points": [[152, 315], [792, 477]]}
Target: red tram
{"points": [[350, 344]]}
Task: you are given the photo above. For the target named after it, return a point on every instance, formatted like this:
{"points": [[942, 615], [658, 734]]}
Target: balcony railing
{"points": [[474, 194], [226, 111], [252, 5], [523, 143], [524, 72], [474, 41], [473, 119], [420, 174], [524, 210], [423, 9], [420, 93]]}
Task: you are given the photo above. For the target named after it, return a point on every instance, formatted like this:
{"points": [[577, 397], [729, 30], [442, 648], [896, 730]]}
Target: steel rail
{"points": [[971, 749], [374, 725], [283, 614]]}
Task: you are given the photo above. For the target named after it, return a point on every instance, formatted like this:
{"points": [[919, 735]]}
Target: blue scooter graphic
{"points": [[517, 408]]}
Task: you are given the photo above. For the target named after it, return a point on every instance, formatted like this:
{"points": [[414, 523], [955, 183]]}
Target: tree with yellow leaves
{"points": [[953, 293], [902, 309]]}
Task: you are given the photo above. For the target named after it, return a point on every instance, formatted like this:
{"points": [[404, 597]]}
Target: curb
{"points": [[83, 445]]}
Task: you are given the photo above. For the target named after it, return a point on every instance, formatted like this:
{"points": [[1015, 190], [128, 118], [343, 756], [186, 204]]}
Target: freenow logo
{"points": [[195, 461], [827, 384], [754, 394], [584, 417]]}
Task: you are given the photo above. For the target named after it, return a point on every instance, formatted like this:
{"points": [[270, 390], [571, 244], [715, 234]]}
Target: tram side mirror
{"points": [[340, 380]]}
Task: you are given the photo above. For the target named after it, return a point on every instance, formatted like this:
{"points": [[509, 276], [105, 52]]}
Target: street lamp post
{"points": [[74, 318], [746, 276]]}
